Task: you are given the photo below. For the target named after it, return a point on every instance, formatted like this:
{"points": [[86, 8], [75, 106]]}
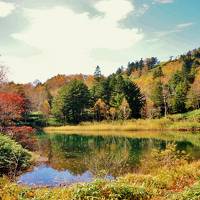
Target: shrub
{"points": [[13, 157], [101, 190], [125, 191], [190, 193], [167, 159], [25, 135]]}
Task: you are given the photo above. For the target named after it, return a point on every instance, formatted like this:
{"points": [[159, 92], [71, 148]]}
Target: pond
{"points": [[73, 158]]}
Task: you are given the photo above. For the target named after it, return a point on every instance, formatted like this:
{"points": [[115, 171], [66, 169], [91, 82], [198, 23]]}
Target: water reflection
{"points": [[44, 175], [79, 158]]}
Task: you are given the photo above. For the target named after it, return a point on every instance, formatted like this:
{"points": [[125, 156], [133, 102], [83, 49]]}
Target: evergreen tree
{"points": [[187, 66], [141, 63], [116, 99], [97, 74], [130, 68], [134, 97], [178, 101], [178, 90], [120, 70], [116, 86], [120, 88], [158, 98], [151, 62], [157, 73], [193, 95], [100, 90], [71, 101]]}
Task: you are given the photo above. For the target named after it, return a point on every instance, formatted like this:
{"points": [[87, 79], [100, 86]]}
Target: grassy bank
{"points": [[183, 122], [169, 177]]}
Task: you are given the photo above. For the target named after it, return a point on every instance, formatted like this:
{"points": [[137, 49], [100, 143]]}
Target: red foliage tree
{"points": [[25, 135], [12, 108]]}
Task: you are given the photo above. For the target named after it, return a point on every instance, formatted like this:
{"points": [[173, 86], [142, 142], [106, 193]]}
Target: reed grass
{"points": [[131, 125]]}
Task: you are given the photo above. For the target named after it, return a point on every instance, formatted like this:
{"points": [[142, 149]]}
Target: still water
{"points": [[74, 158]]}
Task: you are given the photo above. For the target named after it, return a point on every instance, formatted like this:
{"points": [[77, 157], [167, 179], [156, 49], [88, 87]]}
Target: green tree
{"points": [[116, 86], [151, 62], [178, 101], [71, 101], [120, 88], [97, 73], [178, 90], [157, 73], [193, 95], [99, 90], [120, 70], [187, 67], [134, 97], [158, 98]]}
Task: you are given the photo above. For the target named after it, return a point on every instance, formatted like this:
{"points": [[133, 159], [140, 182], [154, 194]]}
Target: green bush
{"points": [[101, 190], [192, 193], [13, 157]]}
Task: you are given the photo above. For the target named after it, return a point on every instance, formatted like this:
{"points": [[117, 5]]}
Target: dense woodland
{"points": [[144, 89]]}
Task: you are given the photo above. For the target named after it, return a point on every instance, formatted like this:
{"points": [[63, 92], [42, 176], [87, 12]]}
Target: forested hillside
{"points": [[172, 86], [146, 88]]}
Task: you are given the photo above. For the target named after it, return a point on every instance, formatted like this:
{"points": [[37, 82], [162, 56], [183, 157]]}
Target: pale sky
{"points": [[40, 39]]}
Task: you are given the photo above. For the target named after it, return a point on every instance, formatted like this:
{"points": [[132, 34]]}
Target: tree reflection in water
{"points": [[101, 155]]}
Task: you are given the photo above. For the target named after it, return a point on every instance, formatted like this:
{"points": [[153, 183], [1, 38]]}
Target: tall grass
{"points": [[186, 121]]}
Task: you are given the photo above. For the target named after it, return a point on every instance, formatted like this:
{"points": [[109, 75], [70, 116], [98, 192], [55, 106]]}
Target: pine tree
{"points": [[116, 86], [71, 101], [158, 98], [157, 73], [134, 97], [100, 90], [120, 88], [97, 73], [178, 87], [193, 95]]}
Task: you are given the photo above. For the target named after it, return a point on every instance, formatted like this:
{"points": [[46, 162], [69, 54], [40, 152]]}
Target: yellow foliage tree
{"points": [[101, 110]]}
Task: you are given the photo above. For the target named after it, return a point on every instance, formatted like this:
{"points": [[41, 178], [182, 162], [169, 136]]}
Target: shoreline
{"points": [[163, 124]]}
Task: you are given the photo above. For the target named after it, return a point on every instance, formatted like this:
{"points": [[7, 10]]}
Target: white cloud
{"points": [[164, 1], [153, 40], [6, 8], [179, 28], [143, 9], [66, 39], [167, 32], [184, 25], [115, 9]]}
